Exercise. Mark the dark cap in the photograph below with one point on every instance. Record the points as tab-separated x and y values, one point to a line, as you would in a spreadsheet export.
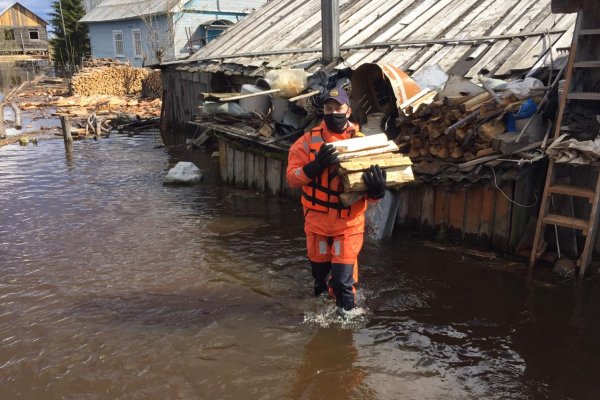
337	94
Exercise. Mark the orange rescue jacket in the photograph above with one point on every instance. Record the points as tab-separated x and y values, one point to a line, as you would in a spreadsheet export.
323	193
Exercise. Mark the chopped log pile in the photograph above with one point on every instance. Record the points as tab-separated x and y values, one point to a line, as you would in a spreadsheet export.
358	154
116	80
454	128
152	85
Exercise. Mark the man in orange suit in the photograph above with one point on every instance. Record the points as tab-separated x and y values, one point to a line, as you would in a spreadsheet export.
334	233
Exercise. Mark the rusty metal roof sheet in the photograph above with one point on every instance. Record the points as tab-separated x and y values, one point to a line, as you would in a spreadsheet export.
464	37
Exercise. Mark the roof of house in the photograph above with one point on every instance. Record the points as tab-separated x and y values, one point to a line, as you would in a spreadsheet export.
114	10
16	3
465	37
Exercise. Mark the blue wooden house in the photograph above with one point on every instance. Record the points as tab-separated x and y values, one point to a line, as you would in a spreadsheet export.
149	32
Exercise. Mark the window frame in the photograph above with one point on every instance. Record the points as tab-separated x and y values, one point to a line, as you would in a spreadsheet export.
9	34
114	35
135	53
32	31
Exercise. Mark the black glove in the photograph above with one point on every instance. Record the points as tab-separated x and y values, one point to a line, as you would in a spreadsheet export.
375	178
326	156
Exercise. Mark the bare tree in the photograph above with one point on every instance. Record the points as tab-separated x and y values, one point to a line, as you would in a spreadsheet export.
160	19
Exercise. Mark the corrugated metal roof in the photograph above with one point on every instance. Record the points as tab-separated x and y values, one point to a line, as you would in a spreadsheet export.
112	10
500	38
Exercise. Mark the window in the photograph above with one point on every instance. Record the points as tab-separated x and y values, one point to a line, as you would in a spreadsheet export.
34	35
9	34
137	43
118	42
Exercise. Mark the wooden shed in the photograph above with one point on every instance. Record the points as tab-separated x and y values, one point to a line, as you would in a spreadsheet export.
491	210
23	32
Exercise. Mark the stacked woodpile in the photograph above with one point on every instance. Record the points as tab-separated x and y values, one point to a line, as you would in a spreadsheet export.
116	80
454	128
101	62
152	85
358	154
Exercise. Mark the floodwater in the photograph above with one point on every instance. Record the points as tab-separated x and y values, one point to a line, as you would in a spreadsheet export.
113	286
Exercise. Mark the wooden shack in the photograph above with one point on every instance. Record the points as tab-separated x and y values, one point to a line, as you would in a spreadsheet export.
22	31
490	210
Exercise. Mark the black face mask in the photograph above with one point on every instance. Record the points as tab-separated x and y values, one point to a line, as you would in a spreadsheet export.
336	122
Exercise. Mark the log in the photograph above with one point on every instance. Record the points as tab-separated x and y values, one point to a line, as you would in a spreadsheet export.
474	102
489	130
2	129
387	160
66	129
452	101
462	122
18	117
396	176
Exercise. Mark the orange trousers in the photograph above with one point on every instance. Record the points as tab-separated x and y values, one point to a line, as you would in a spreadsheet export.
334	265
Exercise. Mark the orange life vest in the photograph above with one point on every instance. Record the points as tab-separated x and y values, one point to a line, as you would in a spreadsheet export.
323	192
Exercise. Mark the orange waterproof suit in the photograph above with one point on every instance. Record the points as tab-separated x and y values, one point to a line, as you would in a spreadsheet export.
334	233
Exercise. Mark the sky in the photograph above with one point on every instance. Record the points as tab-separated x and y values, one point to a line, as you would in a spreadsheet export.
40	7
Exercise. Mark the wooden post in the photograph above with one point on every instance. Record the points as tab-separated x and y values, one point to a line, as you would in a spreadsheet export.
18	118
66	128
2	130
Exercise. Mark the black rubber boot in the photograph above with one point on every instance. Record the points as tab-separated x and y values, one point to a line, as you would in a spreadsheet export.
320	272
342	283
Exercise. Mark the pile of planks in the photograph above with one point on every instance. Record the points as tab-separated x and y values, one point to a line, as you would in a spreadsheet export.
152	85
454	128
358	154
116	80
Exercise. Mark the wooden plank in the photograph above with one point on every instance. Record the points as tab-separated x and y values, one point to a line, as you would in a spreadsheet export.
502	217
487	217
523	195
273	176
223	159
414	209
259	172
583	96
361	143
440	217
567	222
230	164
239	168
403	207
391	146
249	177
456	212
472	220
427	209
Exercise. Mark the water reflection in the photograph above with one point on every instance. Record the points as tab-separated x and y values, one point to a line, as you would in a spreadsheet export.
328	368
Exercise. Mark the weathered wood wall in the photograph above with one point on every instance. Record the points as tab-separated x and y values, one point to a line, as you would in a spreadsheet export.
181	97
476	214
253	170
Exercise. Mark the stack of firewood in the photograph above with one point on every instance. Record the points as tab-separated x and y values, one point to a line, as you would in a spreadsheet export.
101	62
152	85
458	127
116	80
358	154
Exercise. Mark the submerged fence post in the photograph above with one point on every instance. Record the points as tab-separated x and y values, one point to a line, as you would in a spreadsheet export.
18	117
66	129
2	129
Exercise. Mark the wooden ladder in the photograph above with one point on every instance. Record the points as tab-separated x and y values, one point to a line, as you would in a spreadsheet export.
586	226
